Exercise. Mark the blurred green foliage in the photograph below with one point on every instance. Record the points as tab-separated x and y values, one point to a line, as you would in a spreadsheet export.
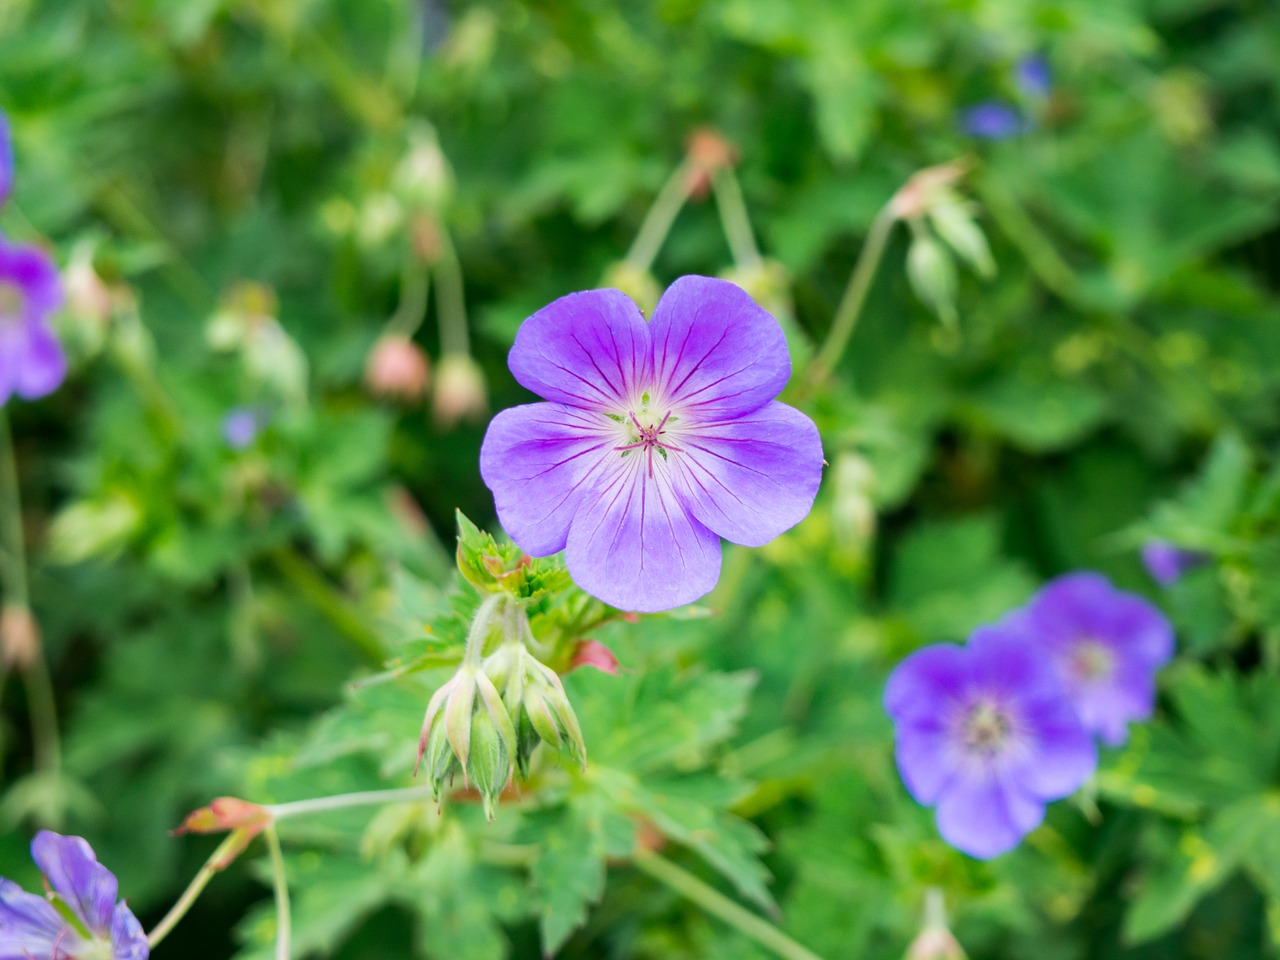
240	165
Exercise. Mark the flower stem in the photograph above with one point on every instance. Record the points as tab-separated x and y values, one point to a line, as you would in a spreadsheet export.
855	295
657	222
415	284
718	905
450	300
341	801
734	219
284	923
213	865
41	703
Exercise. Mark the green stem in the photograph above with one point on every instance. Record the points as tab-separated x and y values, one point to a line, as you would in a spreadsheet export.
213	865
341	801
450	301
734	218
855	295
718	905
325	598
284	923
489	610
657	222
41	703
415	283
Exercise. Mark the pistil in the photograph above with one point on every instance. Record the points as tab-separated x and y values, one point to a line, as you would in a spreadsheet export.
649	438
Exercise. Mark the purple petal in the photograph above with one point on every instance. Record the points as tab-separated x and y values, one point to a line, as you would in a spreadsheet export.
43	365
1007	667
750	478
74	873
1061	754
925	755
716	354
587	350
632	545
128	942
6	159
541	460
927	682
1167	563
35	274
29	925
986	818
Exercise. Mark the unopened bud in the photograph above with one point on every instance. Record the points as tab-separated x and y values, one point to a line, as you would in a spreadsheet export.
88	301
956	225
19	636
92	528
708	152
489	766
226	813
932	274
925	188
637	284
853	513
423	178
460	392
397	368
935	941
593	653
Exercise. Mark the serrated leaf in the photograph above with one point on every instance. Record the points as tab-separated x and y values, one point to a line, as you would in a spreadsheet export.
569	874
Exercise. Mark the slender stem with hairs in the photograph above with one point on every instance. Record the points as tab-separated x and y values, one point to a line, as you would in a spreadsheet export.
734	219
657	222
218	861
280	884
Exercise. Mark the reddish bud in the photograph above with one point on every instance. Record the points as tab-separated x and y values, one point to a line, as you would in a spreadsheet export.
592	653
19	636
708	152
397	368
226	813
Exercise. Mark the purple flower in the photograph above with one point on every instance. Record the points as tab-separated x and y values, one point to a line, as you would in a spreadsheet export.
1033	76
1167	563
992	120
32	363
1106	645
79	920
240	427
985	734
657	440
6	159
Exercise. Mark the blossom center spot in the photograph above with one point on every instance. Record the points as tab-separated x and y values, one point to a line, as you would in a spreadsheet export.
985	728
647	434
1091	660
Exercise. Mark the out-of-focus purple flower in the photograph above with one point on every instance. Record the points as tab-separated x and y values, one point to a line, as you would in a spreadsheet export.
985	733
32	363
992	120
79	920
240	427
1106	645
657	440
6	159
1033	76
1167	563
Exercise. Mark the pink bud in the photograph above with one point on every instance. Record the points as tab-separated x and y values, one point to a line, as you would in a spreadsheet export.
592	653
460	391
19	636
397	368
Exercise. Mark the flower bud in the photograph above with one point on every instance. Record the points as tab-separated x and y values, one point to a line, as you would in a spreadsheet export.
637	284
460	392
708	152
90	528
19	636
397	368
489	764
853	513
88	302
932	274
924	188
593	653
423	178
956	225
935	943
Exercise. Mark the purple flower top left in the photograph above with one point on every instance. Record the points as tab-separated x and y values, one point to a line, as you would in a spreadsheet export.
79	920
657	439
32	363
6	159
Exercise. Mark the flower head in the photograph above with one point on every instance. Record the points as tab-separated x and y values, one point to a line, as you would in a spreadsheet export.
992	120
1167	563
6	159
79	920
240	427
397	367
32	363
1105	644
1033	76
656	440
985	734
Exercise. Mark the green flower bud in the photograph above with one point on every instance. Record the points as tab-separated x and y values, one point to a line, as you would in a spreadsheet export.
489	765
956	225
932	274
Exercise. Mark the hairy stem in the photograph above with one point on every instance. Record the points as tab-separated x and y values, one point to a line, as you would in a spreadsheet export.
718	905
415	284
217	861
657	222
855	295
450	300
341	801
734	219
280	884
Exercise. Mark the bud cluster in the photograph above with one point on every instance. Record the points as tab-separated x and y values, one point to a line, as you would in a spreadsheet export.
486	721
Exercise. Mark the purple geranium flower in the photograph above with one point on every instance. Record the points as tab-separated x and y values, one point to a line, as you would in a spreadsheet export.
992	120
1033	76
79	920
1107	646
657	440
985	733
6	159
32	363
240	427
1167	563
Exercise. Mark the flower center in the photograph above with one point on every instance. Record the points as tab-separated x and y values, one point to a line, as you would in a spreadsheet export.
11	302
985	728
646	434
1090	660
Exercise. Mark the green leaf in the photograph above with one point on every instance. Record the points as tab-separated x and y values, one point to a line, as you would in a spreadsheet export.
569	874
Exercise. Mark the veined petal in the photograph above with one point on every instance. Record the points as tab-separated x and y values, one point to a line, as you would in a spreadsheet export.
587	349
633	545
42	366
1062	755
985	818
753	477
924	754
927	683
29	925
541	460
716	353
128	941
75	875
